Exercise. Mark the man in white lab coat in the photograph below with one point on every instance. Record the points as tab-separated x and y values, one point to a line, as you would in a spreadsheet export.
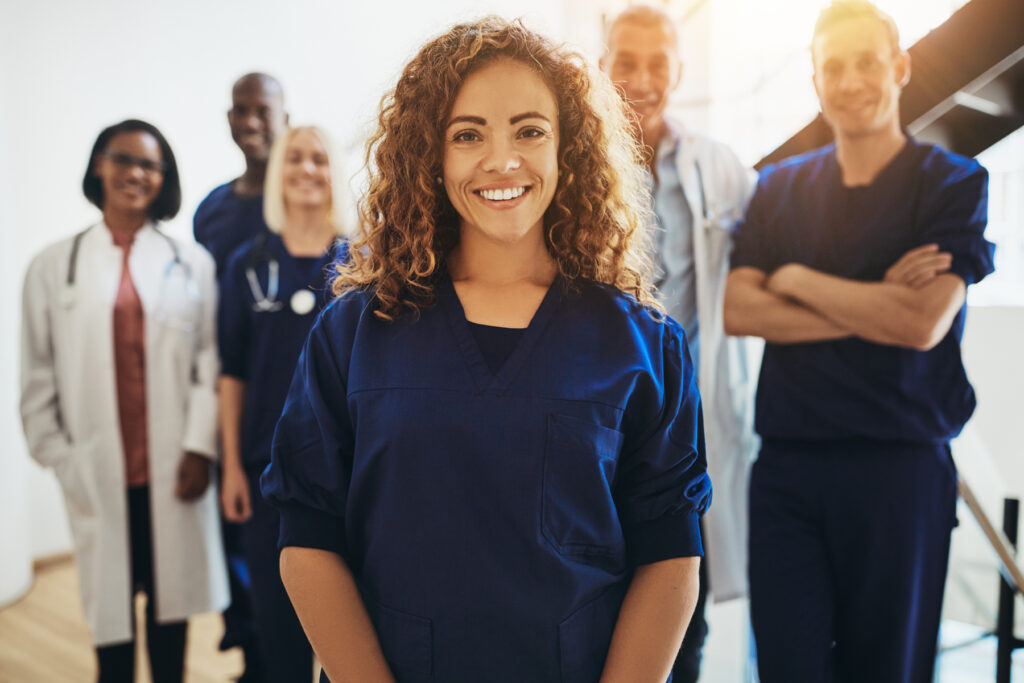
699	191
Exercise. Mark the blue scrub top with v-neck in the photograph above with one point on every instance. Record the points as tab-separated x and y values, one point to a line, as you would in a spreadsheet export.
852	388
261	347
493	520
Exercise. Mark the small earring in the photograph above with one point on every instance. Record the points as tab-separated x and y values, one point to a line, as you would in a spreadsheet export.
439	180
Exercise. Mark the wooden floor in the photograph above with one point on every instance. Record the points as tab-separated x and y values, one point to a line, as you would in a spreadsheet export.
43	637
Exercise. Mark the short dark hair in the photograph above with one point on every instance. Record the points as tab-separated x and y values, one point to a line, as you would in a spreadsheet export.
841	10
168	202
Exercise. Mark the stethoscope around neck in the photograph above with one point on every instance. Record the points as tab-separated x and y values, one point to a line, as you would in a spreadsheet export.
302	301
69	296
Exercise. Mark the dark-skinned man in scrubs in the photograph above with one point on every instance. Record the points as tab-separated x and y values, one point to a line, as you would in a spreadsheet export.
852	263
231	214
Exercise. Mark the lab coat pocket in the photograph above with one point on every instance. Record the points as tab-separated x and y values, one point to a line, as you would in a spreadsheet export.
584	637
178	305
407	642
76	490
717	237
579	515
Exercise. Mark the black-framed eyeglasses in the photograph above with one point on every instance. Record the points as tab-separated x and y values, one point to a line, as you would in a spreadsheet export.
126	161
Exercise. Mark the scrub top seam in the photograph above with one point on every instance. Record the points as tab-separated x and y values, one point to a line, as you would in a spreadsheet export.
620	409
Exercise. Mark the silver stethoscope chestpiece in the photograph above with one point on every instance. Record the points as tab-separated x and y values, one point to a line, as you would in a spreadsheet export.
303	301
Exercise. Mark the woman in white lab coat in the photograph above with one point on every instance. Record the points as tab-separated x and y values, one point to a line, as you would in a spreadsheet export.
117	396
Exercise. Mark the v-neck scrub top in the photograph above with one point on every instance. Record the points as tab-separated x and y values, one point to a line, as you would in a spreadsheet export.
261	347
851	388
493	520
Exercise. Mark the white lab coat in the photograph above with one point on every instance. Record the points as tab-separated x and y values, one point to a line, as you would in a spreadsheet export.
70	416
725	379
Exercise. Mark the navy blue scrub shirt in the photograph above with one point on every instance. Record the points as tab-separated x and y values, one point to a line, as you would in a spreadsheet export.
224	220
493	520
261	348
852	388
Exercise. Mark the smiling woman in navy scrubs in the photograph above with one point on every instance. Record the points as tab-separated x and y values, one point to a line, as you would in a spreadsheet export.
490	464
271	291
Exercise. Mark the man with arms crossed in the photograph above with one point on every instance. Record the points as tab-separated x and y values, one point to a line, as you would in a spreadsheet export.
852	263
699	189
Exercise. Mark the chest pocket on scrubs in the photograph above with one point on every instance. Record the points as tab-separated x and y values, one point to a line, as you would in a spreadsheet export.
579	515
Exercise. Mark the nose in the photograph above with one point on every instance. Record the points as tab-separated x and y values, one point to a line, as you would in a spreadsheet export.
642	79
253	121
501	156
135	171
849	79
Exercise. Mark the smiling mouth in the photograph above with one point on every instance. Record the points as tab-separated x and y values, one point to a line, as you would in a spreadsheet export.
503	195
132	189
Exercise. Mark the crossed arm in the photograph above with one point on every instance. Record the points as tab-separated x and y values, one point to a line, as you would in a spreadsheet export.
912	306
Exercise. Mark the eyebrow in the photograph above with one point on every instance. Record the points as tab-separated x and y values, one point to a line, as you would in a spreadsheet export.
528	115
480	121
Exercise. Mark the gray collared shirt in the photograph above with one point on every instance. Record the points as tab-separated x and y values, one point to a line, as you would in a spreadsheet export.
673	240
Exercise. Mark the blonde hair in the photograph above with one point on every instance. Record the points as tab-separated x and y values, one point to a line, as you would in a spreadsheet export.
597	225
842	10
274	210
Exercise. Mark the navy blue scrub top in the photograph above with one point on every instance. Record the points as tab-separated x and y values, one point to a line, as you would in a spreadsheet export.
261	347
224	220
852	388
493	519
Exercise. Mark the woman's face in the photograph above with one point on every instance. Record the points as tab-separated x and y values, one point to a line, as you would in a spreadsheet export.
131	170
501	151
306	174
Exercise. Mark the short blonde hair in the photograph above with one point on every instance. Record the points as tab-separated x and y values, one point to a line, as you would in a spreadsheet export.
274	211
842	10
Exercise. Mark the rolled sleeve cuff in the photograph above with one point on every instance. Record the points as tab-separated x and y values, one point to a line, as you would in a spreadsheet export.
307	527
665	538
964	267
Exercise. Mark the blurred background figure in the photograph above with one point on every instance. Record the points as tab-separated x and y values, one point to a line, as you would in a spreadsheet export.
117	396
853	262
699	191
274	285
231	214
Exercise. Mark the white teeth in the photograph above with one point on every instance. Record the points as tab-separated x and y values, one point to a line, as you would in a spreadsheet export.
502	195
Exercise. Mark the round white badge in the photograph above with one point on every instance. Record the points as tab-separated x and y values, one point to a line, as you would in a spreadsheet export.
303	301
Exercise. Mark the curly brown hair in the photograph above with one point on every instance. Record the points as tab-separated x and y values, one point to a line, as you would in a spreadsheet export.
596	226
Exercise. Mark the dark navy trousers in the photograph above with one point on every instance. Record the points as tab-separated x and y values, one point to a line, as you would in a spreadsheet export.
285	654
849	546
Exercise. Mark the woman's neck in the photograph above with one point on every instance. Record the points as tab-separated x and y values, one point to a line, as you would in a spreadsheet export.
124	222
307	232
481	260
